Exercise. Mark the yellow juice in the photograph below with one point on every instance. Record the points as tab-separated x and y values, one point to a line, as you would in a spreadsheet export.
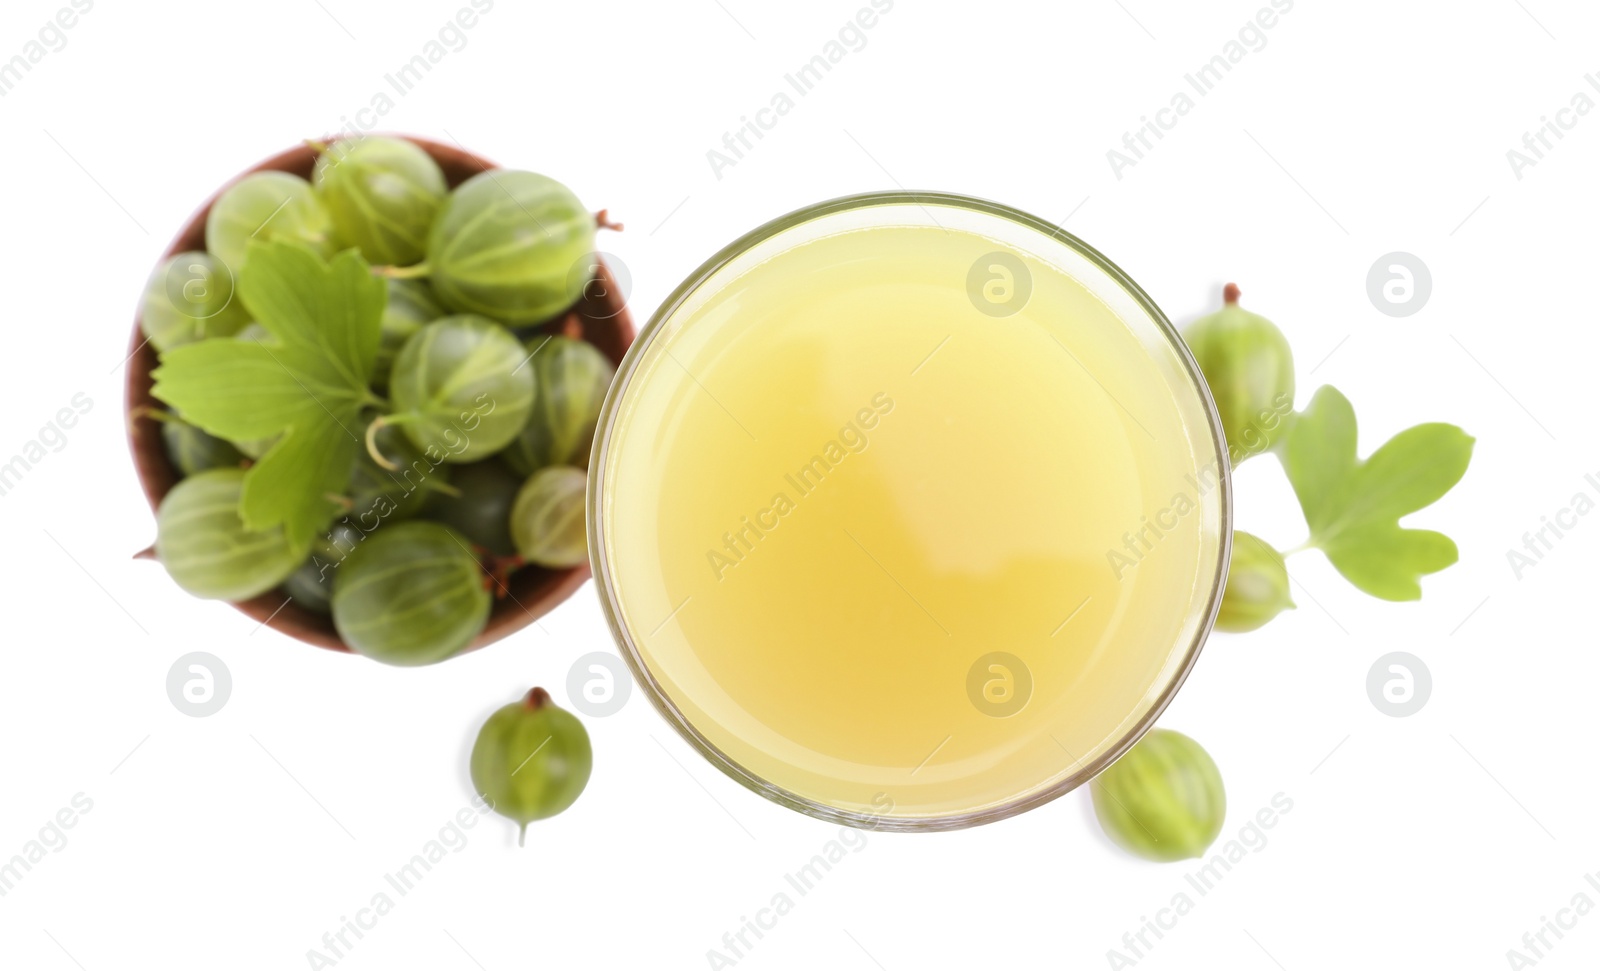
891	556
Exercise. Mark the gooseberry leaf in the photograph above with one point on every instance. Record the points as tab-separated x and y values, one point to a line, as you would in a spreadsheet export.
307	384
1353	507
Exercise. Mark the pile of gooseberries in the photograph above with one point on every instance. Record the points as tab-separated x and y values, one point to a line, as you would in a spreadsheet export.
476	467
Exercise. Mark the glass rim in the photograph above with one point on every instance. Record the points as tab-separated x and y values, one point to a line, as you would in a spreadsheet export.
605	580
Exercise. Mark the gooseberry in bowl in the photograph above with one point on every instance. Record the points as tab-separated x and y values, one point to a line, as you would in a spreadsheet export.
382	195
461	389
266	205
188	298
410	594
506	244
547	520
207	548
598	315
571	380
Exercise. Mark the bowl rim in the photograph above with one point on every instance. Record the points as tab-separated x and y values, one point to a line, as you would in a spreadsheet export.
153	467
605	578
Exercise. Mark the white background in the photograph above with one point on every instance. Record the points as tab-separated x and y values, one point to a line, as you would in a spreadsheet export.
1363	127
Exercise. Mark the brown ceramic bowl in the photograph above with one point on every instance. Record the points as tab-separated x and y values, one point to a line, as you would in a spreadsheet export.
600	317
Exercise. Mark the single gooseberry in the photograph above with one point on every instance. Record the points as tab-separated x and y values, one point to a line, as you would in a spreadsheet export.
1258	585
266	205
572	378
531	760
204	544
190	298
461	388
1248	366
547	520
511	245
411	593
382	195
1163	800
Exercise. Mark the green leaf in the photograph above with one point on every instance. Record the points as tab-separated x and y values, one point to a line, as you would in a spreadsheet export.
1386	561
1353	508
1321	452
309	383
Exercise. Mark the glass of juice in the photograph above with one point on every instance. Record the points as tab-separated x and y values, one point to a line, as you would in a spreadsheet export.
909	511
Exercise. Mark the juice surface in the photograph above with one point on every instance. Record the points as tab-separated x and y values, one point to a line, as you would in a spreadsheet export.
896	555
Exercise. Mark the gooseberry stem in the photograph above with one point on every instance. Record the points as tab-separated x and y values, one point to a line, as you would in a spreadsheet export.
328	548
1230	294
571	327
414	272
497	571
372	444
522	836
441	487
1307	545
154	414
345	503
602	221
316	146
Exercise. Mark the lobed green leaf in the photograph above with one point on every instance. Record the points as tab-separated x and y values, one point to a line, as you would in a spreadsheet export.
1353	508
1386	561
1320	455
309	383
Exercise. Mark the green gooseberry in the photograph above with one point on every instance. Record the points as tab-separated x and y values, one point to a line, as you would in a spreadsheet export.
1163	800
266	205
547	520
411	305
204	544
572	379
461	388
194	451
1258	585
411	593
399	486
511	245
190	298
1248	366
480	508
531	760
382	195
